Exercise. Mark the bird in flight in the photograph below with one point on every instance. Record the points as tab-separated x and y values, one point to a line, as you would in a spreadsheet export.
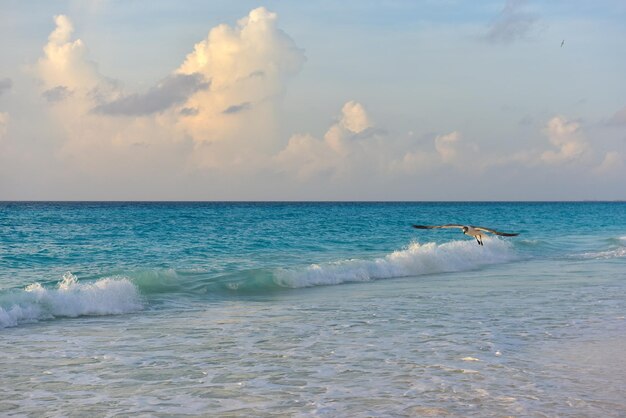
562	43
473	231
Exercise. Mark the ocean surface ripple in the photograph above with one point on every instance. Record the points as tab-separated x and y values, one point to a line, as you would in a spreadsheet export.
312	309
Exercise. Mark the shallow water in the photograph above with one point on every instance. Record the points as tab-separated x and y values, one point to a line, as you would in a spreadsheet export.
312	310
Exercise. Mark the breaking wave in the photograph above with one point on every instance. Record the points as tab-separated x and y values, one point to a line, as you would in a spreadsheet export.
109	296
120	295
415	260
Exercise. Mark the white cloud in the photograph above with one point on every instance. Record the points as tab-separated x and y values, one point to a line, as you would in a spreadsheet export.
348	145
248	66
568	139
224	98
216	119
64	62
96	145
354	120
254	49
354	117
353	148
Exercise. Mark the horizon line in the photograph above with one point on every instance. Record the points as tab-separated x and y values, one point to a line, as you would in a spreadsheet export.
320	201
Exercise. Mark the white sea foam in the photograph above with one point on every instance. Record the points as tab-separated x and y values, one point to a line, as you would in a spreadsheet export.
415	260
606	255
110	296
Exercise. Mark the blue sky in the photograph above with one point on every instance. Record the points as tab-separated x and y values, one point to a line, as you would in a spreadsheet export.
356	100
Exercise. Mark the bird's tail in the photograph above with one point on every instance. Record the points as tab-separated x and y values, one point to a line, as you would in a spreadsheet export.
507	234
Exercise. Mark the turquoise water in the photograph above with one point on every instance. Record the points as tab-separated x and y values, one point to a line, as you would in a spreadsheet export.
312	309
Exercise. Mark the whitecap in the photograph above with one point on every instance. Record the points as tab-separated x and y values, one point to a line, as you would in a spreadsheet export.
415	260
108	296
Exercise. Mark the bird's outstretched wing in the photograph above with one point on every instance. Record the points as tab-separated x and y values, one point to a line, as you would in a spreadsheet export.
438	226
493	231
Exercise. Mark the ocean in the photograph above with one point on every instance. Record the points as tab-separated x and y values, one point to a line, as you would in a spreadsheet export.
312	309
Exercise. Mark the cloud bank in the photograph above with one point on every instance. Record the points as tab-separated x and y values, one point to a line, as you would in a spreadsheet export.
223	98
214	125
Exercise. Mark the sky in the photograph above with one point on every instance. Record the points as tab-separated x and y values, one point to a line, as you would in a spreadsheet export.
323	100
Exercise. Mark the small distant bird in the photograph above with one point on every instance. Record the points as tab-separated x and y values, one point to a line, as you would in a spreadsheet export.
472	231
562	43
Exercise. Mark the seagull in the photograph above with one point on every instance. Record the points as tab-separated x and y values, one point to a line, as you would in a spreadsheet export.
473	231
562	43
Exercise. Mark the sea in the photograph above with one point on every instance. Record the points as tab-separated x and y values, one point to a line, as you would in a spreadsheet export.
300	309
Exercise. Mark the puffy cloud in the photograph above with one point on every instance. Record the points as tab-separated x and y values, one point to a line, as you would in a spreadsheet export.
568	139
248	65
348	142
64	62
5	85
353	147
353	150
70	81
354	121
354	117
219	109
94	144
512	23
173	90
256	48
216	117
